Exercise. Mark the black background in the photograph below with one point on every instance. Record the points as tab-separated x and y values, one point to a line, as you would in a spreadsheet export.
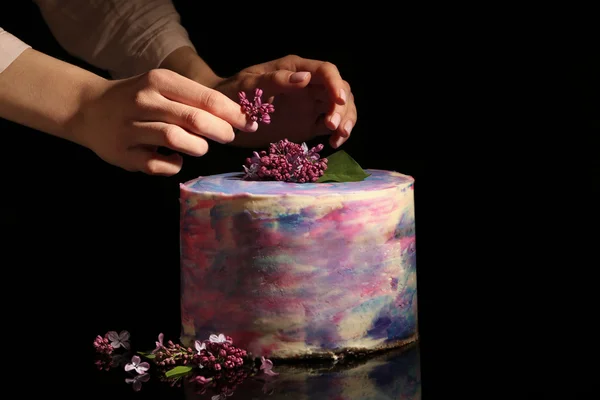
90	248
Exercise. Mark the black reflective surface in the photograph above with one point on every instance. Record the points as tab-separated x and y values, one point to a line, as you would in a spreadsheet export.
393	375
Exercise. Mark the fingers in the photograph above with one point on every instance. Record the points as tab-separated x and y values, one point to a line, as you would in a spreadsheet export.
180	89
150	162
170	136
277	82
342	118
338	121
337	118
322	72
338	89
197	121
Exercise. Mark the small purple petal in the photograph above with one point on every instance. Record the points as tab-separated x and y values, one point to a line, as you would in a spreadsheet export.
137	385
112	336
271	373
135	360
123	336
143	367
129	367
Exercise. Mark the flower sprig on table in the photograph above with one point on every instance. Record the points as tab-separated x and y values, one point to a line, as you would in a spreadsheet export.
213	363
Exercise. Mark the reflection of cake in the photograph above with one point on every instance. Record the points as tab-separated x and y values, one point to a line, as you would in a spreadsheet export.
299	270
393	375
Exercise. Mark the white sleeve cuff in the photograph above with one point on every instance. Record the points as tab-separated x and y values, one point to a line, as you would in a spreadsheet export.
11	47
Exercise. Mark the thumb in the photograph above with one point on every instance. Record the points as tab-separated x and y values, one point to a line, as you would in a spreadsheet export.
278	82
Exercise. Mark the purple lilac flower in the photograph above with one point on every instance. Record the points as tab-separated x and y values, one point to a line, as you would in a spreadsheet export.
256	110
219	338
102	345
137	365
159	343
288	162
118	339
199	346
267	366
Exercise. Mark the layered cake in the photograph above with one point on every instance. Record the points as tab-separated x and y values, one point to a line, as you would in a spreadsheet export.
294	270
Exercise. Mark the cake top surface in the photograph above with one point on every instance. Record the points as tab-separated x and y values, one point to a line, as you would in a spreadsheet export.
232	183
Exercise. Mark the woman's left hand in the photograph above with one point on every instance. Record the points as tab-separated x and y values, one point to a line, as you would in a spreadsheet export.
310	99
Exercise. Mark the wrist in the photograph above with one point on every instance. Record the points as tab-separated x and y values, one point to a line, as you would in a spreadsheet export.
90	91
186	62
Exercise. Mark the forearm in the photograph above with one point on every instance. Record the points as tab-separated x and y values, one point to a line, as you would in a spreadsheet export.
124	37
45	93
185	61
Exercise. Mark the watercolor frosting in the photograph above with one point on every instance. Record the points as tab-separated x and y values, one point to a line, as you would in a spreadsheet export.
299	270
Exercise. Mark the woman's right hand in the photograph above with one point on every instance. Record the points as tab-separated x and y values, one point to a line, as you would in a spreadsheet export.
125	121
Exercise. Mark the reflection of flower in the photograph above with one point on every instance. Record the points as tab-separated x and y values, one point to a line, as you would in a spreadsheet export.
118	339
222	396
137	381
268	387
200	379
267	366
135	364
118	360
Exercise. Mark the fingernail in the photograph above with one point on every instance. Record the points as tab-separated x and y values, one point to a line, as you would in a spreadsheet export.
251	126
298	77
337	142
335	120
347	128
343	95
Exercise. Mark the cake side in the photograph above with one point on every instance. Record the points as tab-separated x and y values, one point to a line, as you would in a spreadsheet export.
311	271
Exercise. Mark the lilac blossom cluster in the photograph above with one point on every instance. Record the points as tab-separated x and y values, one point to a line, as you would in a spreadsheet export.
110	341
256	110
102	345
286	161
216	357
216	353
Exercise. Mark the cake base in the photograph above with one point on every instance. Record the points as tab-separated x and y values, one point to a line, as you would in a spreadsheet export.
390	374
346	353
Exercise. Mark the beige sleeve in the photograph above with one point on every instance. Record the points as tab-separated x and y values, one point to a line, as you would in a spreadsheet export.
11	47
124	37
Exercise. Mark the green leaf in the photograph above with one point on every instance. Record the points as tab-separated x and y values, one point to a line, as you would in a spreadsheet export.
178	371
149	356
342	168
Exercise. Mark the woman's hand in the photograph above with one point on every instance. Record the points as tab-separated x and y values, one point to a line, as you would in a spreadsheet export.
125	121
310	99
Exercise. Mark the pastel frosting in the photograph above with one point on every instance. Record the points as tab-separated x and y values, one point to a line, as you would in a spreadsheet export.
299	270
